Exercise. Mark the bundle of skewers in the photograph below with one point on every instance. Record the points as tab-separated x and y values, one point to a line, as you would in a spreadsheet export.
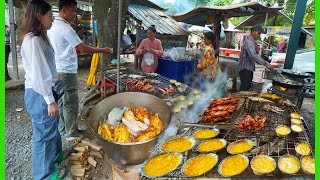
219	110
140	85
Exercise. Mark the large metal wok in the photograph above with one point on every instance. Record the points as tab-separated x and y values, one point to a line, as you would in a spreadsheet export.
128	153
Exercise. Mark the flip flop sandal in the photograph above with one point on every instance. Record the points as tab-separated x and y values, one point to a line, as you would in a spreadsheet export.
56	173
63	155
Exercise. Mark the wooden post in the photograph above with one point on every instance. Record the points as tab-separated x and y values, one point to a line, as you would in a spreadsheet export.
13	40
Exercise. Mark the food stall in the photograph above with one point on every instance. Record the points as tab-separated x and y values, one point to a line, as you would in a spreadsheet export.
260	142
162	128
245	127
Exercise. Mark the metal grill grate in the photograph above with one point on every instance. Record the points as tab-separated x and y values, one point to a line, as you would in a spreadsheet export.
285	145
162	81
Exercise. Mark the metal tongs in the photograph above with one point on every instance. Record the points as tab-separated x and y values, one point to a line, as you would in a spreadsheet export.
215	126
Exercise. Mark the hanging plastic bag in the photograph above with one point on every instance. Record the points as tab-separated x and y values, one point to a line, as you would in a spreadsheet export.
217	69
174	54
149	59
222	35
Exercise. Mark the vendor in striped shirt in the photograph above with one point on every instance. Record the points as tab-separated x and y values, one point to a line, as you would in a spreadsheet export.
249	55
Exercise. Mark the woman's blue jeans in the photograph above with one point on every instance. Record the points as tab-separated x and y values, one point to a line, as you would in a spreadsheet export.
46	137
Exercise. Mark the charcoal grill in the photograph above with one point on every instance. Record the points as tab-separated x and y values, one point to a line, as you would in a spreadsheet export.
266	135
164	82
295	75
306	79
288	89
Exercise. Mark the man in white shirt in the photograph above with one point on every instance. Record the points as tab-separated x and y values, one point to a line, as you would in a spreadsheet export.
65	41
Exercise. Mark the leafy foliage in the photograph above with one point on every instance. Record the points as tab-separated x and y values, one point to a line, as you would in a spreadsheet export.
309	17
219	3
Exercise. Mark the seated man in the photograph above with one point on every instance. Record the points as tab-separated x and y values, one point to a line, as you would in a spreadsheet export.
85	39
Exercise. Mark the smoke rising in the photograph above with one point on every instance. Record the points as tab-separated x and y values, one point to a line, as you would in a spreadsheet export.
211	90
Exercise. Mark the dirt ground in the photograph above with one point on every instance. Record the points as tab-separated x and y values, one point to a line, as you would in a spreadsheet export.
19	133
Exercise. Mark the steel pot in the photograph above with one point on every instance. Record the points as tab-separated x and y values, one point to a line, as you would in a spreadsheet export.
134	153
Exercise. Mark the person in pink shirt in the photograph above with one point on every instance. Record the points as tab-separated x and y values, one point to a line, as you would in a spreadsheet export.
282	46
151	49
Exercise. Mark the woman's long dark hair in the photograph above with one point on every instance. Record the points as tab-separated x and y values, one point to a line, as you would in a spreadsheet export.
31	20
210	36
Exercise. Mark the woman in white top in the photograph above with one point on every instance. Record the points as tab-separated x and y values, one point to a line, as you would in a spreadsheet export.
41	74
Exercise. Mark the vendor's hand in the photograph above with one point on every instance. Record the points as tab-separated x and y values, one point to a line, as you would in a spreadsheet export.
107	50
53	109
152	51
144	51
276	65
269	66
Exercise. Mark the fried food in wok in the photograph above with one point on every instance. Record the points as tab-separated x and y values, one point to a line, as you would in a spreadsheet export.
141	113
137	125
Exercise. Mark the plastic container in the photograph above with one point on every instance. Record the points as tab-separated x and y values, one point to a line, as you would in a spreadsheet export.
110	87
175	69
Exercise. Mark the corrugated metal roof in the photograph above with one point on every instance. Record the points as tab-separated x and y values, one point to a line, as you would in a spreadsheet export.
199	15
148	16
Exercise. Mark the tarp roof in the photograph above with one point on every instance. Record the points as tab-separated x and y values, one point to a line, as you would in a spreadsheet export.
199	15
256	19
147	16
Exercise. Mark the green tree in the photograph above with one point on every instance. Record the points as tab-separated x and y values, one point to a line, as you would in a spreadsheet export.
309	17
219	3
290	7
264	2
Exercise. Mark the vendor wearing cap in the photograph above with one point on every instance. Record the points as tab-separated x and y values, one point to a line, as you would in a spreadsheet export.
249	54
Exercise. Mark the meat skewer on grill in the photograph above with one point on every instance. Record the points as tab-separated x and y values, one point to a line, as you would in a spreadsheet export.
168	91
219	110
